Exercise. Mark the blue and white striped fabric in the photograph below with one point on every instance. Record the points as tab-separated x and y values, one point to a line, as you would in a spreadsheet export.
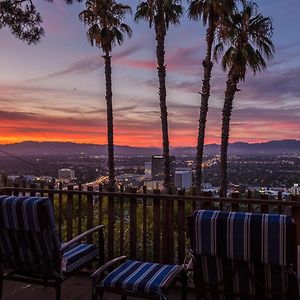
137	276
242	255
226	279
263	238
29	240
77	256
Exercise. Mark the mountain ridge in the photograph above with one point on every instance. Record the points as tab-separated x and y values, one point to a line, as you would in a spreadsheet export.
287	146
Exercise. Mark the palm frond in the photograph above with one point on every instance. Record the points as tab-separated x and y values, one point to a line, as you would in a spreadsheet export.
247	36
105	20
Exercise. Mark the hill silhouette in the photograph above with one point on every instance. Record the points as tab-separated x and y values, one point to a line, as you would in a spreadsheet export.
68	148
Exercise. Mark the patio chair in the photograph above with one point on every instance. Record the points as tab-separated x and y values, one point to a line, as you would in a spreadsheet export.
243	256
138	279
30	248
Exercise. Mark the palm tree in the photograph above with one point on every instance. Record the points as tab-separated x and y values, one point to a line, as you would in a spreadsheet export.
246	35
22	18
161	13
106	29
211	12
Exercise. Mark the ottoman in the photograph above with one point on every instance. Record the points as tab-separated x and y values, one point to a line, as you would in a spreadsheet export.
142	279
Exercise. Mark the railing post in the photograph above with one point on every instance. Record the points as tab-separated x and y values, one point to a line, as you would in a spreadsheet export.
42	186
15	192
101	232
121	221
90	213
70	213
111	224
156	228
32	187
221	204
235	206
4	179
144	224
24	187
249	196
79	229
133	223
50	195
264	208
194	193
60	207
100	207
168	230
181	228
279	199
207	204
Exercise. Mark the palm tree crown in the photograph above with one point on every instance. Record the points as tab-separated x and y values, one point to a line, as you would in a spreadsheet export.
210	9
105	18
247	36
156	12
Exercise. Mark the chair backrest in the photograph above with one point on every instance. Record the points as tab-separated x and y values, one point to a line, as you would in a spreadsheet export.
29	241
242	254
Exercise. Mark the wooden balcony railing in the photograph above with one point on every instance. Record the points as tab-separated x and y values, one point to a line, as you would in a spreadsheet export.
142	225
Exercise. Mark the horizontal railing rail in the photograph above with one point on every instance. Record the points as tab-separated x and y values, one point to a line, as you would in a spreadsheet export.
149	226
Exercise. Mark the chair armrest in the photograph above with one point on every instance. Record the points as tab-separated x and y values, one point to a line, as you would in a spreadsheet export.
112	263
80	237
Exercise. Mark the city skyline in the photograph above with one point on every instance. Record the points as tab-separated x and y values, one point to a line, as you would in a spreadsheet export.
55	91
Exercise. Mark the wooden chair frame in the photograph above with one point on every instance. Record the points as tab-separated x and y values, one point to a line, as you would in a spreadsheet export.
293	291
55	282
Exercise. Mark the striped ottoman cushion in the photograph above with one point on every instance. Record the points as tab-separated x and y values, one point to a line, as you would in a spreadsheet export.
77	256
137	276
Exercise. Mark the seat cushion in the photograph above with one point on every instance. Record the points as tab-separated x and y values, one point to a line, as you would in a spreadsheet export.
78	255
143	277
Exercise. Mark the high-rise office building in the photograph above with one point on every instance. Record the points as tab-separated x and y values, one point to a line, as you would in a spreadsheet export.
147	170
157	167
183	178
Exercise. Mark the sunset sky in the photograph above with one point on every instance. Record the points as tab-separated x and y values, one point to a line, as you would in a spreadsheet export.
54	91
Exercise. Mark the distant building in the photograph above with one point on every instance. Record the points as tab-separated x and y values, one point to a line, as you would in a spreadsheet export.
28	178
154	185
66	174
295	190
157	167
183	178
148	170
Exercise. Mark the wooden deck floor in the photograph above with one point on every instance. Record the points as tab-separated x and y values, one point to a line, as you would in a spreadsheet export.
75	288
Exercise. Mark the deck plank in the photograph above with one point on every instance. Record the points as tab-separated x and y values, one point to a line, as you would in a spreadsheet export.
74	288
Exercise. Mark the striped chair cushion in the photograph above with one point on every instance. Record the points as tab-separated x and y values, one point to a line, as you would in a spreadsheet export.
137	276
220	278
26	213
262	238
77	256
28	237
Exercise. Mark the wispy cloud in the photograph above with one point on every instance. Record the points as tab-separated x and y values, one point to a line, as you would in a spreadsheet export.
87	65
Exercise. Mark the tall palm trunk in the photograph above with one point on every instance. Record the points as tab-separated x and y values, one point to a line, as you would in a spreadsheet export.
160	54
110	129
231	89
205	93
